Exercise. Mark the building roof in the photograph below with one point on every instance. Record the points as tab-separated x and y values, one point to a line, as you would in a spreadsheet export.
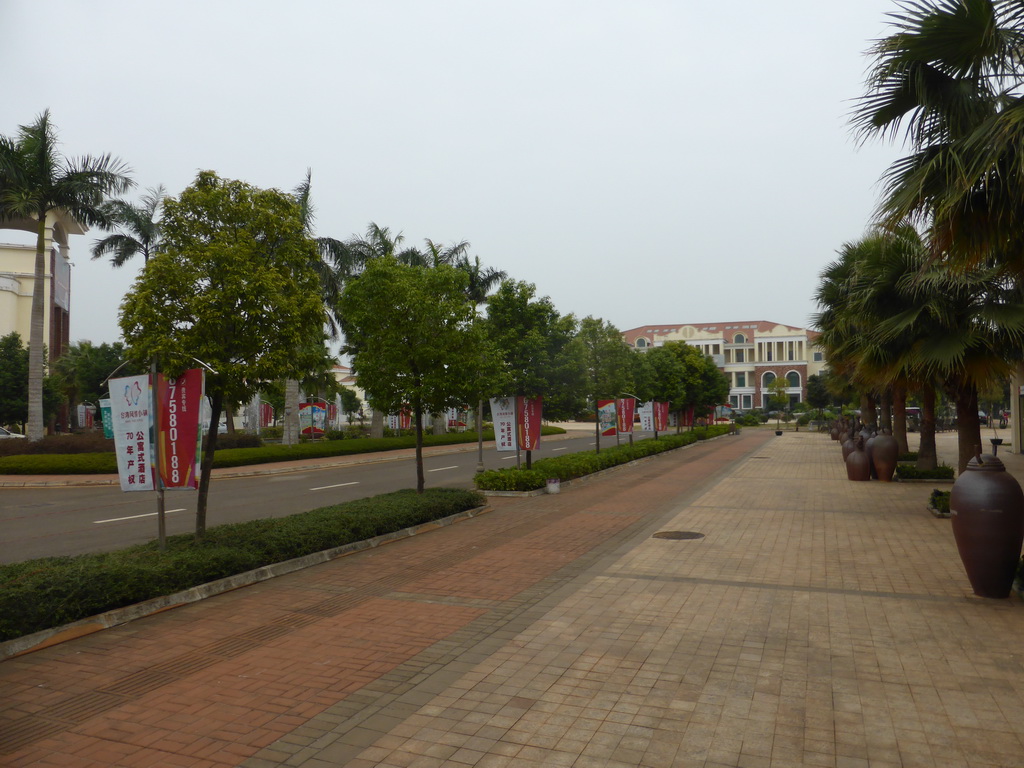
757	326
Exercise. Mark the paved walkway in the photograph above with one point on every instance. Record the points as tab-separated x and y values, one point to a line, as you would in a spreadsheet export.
818	622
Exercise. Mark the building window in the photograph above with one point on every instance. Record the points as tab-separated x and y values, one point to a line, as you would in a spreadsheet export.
767	379
715	349
734	401
789	349
739	356
739	338
819	357
793	378
768	352
641	342
741	379
747	402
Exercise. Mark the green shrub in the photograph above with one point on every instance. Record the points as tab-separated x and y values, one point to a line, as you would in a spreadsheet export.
238	440
750	419
39	594
908	456
939	501
910	472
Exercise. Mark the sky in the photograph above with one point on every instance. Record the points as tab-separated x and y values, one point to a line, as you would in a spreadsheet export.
649	162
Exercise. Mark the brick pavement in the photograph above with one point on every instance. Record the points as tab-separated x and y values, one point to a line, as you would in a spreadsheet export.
817	622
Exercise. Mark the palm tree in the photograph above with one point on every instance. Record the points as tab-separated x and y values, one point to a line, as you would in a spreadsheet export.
139	225
949	79
336	263
37	181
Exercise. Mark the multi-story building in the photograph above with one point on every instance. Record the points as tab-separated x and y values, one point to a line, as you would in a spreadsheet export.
751	354
17	282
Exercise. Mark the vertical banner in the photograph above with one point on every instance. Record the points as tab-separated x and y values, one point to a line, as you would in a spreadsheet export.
688	417
661	422
108	422
266	414
606	417
181	432
400	420
312	419
530	413
503	413
626	412
673	419
646	412
130	416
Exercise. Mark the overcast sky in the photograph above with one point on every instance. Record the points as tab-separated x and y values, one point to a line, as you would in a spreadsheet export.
648	162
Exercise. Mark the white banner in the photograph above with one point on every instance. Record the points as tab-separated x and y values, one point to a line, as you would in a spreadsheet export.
130	413
503	412
646	412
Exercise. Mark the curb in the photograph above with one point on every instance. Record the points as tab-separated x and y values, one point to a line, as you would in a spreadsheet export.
55	635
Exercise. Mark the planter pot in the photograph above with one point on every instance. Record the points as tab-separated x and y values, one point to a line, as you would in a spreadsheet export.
857	465
847	447
885	453
778	433
987	509
554	485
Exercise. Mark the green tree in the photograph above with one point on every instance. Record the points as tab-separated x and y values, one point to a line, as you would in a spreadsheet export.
36	182
949	80
818	395
13	380
702	385
81	372
535	346
607	366
232	287
412	338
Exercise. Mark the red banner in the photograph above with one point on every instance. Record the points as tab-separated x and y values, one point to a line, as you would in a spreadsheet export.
180	403
266	414
529	412
625	412
660	416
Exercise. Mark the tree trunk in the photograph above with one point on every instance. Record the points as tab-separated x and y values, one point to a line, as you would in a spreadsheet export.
899	417
376	424
36	342
867	410
229	418
968	425
216	405
926	456
419	449
290	435
885	409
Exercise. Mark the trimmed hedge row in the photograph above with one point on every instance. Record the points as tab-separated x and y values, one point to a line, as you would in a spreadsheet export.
587	463
106	463
49	592
910	472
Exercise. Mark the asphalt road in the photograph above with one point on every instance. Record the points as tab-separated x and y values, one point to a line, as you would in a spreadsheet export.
57	521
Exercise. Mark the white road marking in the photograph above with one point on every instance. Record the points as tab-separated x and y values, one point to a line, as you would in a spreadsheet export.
134	517
508	458
442	469
559	449
339	485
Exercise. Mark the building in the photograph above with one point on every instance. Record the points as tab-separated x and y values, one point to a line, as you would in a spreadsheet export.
751	354
17	281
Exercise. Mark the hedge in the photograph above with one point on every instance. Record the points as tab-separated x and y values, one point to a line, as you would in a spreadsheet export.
910	472
49	592
576	465
106	463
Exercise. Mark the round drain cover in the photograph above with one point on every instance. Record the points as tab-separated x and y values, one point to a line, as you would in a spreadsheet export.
678	535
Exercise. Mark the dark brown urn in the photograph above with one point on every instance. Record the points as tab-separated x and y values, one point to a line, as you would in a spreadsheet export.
987	511
847	446
885	454
858	467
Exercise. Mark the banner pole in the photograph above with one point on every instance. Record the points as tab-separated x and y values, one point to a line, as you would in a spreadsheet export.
161	523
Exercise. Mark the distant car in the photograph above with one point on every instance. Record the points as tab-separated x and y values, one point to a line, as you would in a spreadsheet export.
4	434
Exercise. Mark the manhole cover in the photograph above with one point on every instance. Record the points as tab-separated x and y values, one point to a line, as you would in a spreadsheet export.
678	535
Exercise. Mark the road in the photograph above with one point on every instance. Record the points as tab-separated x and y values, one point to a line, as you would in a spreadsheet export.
58	521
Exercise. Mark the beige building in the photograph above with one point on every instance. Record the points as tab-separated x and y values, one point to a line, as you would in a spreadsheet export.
752	354
17	281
